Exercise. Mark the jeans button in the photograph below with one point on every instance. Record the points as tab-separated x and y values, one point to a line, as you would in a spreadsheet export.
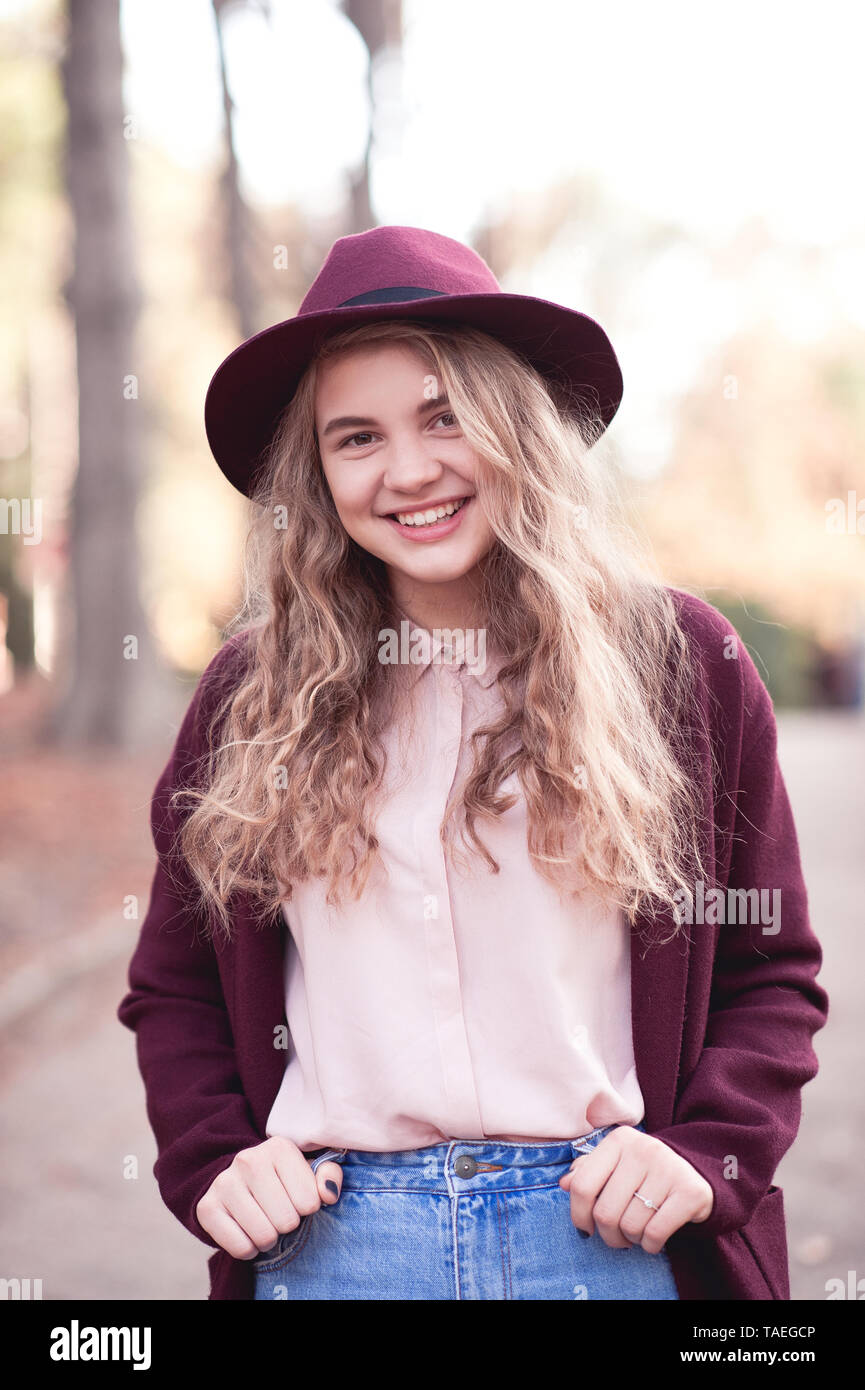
465	1166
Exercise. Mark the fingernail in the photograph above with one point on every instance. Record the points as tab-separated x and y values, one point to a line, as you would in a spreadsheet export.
331	1186
584	1234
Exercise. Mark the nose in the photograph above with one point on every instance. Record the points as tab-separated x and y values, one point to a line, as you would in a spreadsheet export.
411	465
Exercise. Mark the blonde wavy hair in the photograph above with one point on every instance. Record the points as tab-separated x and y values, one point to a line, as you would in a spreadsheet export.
598	685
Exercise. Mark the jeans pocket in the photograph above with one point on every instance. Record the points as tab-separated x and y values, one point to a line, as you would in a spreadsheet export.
284	1247
590	1141
327	1156
587	1142
288	1242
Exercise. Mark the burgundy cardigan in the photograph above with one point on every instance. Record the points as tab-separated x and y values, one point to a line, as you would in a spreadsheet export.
722	1024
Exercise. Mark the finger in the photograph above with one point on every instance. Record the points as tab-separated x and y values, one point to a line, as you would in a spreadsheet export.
589	1172
239	1203
231	1236
615	1198
328	1176
283	1206
294	1172
674	1212
637	1216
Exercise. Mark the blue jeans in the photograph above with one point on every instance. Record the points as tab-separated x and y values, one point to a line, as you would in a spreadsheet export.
420	1224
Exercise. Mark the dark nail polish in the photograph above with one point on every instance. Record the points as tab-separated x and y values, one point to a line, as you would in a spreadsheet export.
584	1234
331	1186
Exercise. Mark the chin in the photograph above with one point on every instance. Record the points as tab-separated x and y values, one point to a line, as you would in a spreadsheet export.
435	573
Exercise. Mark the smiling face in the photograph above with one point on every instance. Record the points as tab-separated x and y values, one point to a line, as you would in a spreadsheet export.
390	445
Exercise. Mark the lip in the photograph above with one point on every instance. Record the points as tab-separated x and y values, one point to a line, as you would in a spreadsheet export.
425	506
437	528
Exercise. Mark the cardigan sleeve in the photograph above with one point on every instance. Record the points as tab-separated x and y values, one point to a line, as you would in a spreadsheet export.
175	1005
739	1110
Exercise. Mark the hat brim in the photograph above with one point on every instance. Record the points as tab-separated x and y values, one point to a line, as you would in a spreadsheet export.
256	381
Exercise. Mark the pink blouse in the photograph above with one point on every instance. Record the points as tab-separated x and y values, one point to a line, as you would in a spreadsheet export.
450	1003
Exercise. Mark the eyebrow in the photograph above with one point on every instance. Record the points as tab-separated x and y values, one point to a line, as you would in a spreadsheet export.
344	422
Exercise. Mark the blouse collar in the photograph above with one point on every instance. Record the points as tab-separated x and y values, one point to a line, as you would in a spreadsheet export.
422	652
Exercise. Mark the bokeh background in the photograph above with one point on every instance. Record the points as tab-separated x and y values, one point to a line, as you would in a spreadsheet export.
173	174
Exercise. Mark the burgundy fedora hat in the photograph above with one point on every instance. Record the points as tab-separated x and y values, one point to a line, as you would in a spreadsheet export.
396	273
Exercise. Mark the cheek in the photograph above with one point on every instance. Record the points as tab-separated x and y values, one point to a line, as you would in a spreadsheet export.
350	495
465	460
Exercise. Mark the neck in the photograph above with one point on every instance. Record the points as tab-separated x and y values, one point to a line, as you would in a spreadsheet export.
431	606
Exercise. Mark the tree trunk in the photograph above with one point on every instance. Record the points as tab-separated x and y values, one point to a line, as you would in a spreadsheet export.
379	23
238	218
116	693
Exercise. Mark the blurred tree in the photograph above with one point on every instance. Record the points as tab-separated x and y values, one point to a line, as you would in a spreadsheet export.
763	443
767	437
31	223
379	23
116	692
17	628
782	652
239	222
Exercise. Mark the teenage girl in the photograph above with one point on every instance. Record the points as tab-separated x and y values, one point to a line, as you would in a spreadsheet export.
468	753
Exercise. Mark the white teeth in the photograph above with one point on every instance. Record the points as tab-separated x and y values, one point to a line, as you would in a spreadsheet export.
427	518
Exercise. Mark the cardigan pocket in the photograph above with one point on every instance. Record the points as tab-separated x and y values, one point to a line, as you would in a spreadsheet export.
765	1235
763	1241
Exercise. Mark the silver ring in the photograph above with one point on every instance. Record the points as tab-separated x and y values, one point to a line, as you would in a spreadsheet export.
646	1202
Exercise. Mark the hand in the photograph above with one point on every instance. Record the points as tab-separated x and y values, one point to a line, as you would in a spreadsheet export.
264	1193
602	1184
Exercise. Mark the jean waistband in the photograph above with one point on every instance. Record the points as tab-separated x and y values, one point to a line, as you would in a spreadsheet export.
457	1165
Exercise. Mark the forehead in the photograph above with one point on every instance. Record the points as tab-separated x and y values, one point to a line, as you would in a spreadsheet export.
370	365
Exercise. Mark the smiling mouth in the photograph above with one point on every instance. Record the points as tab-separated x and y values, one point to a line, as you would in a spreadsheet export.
430	516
